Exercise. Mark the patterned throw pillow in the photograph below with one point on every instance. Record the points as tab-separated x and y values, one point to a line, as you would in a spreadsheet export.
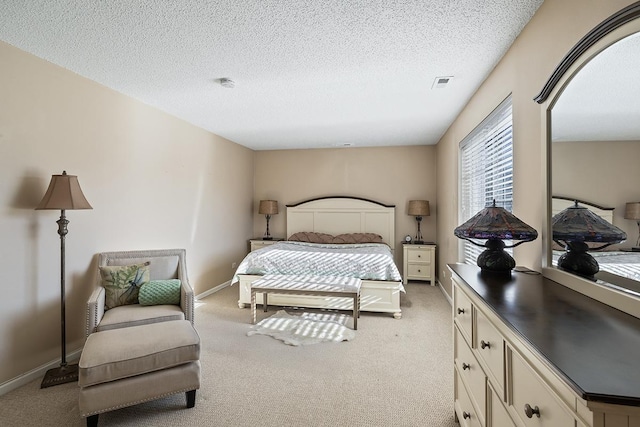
157	292
122	283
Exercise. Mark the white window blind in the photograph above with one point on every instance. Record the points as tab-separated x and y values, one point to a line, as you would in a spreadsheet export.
486	169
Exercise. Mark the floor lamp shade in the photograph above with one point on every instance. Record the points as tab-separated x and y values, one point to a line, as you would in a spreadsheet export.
64	193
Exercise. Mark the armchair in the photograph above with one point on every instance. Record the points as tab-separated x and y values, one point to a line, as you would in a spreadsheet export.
164	264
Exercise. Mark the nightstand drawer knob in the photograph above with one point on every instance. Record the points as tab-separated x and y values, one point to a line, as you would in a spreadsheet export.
466	366
485	344
461	311
530	412
419	256
466	415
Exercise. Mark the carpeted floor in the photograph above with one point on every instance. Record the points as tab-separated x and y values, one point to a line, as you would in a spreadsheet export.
394	372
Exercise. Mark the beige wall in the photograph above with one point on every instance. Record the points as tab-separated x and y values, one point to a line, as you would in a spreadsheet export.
154	181
392	175
605	173
555	28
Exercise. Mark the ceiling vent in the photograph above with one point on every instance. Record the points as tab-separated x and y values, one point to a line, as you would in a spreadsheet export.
441	82
227	82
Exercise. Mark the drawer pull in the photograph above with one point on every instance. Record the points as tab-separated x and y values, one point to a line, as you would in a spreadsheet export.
465	366
466	415
419	271
484	344
419	256
461	311
530	412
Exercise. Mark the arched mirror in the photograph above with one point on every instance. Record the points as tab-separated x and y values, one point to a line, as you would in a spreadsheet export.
592	142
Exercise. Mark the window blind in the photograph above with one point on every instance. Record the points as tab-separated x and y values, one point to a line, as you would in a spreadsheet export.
486	169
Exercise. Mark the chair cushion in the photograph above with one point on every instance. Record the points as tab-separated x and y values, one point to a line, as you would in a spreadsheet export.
122	283
122	353
156	292
126	316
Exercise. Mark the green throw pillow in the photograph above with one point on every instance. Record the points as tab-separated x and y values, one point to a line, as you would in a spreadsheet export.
122	283
158	292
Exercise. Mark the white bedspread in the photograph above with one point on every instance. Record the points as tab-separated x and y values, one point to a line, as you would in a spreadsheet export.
366	261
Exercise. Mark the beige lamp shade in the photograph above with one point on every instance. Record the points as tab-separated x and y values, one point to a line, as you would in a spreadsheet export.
64	193
632	210
419	208
268	207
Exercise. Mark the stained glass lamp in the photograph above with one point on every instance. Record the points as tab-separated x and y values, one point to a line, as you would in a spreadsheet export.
495	224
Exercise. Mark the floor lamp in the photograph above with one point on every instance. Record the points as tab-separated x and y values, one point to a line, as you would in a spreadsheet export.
63	194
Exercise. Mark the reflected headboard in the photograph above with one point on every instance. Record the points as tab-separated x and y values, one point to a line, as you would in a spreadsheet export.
338	215
560	203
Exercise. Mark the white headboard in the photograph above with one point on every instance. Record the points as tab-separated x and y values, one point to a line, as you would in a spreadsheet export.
337	215
561	203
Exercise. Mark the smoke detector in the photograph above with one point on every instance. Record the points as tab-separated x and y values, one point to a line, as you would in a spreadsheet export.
227	82
441	82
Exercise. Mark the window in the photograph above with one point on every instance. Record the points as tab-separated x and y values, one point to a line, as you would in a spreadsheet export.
486	169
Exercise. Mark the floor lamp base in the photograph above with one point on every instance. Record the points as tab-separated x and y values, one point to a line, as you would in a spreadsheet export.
60	375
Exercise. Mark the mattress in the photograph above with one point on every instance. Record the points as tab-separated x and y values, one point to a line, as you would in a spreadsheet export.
366	261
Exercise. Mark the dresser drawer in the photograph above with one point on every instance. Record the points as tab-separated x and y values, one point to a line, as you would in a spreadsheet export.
463	407
462	312
531	400
470	373
419	255
490	347
419	270
497	415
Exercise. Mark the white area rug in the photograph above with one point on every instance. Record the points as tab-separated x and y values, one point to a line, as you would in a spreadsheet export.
308	328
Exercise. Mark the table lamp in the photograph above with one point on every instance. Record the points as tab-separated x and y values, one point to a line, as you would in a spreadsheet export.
419	208
268	208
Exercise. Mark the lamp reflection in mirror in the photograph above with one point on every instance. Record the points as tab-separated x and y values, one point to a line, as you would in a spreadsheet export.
573	229
632	211
495	224
419	208
268	208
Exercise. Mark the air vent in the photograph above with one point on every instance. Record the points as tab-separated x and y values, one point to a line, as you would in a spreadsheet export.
441	82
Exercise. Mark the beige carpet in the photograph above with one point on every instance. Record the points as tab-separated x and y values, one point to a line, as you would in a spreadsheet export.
394	372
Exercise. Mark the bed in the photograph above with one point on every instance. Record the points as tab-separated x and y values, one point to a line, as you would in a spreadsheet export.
611	260
334	218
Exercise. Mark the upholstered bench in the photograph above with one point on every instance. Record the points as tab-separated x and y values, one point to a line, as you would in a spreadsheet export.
127	366
332	286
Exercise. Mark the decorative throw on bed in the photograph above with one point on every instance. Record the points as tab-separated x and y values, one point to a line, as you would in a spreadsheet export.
367	261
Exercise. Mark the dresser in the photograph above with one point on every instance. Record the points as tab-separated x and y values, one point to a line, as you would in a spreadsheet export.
531	352
418	262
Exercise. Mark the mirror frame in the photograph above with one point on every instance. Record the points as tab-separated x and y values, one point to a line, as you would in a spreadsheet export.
618	26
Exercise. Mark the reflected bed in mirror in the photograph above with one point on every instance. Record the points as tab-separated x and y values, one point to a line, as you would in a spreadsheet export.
592	144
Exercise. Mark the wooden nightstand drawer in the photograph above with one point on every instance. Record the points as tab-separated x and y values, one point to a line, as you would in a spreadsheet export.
419	254
259	243
419	271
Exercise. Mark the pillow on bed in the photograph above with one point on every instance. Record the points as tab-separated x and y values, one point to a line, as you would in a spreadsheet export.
358	238
311	237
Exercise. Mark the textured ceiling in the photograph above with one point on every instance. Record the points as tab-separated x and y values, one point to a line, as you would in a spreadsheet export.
601	102
308	73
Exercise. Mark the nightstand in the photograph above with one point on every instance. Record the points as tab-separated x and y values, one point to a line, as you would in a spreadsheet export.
419	262
259	243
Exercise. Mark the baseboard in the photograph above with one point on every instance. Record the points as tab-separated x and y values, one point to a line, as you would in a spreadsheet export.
36	373
446	295
213	290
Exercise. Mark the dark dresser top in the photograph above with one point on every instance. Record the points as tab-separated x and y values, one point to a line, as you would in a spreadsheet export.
594	347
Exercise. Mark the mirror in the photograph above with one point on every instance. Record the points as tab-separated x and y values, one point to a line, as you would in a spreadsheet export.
595	147
592	144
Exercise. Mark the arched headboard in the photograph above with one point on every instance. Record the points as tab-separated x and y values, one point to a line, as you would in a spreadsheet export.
341	214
